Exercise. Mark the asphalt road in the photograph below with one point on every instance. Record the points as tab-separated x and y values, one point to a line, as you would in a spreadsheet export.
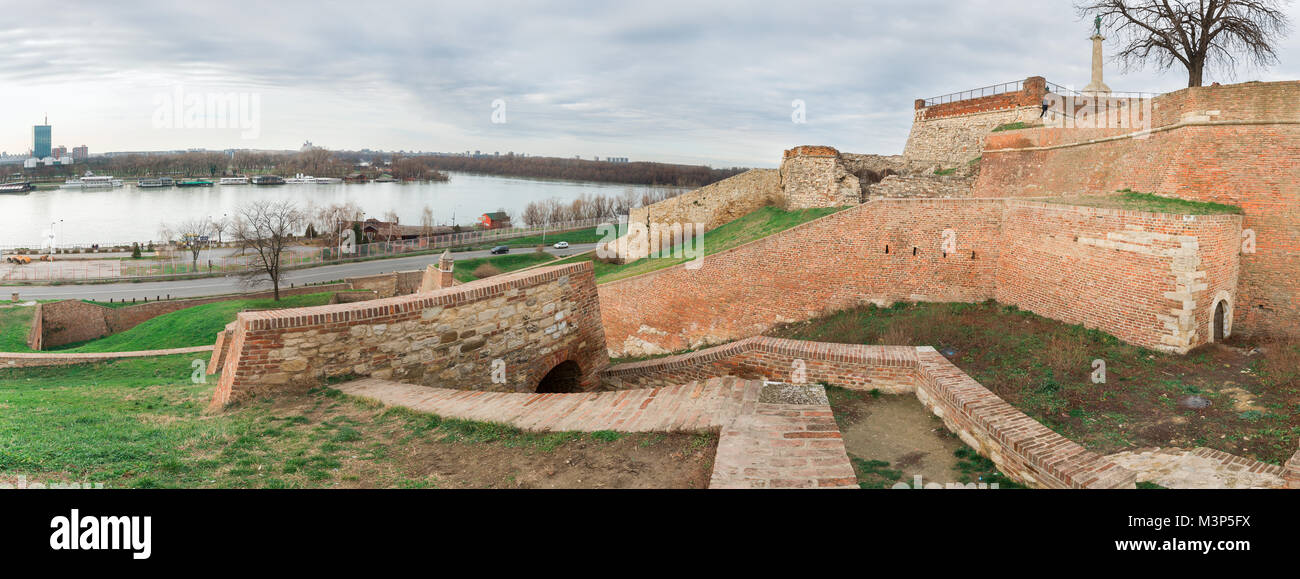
224	285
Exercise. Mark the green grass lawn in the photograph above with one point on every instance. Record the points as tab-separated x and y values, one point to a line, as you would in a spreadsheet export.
751	227
1045	368
196	326
463	271
1134	201
142	423
15	322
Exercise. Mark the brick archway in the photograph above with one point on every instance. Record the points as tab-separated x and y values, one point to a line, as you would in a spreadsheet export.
565	377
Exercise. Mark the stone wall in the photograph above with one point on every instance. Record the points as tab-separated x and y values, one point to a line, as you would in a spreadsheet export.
531	321
1236	144
952	134
1144	277
908	186
713	205
814	176
1021	447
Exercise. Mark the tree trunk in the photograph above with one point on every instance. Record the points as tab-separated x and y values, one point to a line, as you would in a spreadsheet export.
275	286
1195	72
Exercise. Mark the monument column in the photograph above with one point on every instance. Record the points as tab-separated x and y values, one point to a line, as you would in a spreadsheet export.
1097	86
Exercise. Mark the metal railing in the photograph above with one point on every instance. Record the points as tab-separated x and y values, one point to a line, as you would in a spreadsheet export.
991	90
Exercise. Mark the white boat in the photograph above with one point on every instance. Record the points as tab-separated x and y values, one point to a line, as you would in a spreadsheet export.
92	181
300	179
328	180
233	181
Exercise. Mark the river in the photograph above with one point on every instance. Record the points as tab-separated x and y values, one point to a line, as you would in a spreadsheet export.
125	214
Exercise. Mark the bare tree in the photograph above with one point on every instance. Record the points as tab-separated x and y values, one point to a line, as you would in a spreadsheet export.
1192	33
192	235
220	226
267	228
426	221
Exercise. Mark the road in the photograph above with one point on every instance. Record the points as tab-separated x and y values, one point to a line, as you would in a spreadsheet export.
224	285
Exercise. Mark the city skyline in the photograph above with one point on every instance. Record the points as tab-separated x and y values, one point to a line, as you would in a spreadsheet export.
562	80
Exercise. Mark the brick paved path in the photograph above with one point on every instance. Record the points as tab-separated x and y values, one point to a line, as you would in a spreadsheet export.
761	445
1200	468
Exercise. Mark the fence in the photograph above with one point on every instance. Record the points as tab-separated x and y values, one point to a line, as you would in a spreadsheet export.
179	263
976	93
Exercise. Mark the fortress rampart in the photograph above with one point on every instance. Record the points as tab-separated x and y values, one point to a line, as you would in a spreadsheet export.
1144	277
1236	144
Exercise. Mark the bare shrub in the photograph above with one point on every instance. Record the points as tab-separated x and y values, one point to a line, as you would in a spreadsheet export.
486	270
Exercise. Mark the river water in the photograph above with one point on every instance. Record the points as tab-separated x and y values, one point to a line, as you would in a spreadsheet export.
128	213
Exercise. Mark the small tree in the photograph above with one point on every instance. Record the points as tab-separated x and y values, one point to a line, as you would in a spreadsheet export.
266	228
135	250
192	233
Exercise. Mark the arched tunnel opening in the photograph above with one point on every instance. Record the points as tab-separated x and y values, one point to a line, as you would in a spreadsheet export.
564	377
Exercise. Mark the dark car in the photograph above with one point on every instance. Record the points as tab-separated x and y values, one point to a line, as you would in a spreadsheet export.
500	249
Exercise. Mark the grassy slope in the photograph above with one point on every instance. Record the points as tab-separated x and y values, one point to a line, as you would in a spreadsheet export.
140	423
1134	201
751	227
463	270
196	326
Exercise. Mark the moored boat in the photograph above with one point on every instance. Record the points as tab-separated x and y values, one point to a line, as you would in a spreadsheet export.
92	181
268	180
300	179
17	187
153	183
194	183
328	180
233	181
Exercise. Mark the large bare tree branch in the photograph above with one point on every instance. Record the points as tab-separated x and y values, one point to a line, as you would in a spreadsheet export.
1198	34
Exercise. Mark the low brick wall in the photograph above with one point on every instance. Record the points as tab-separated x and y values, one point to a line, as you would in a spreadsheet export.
33	359
1022	448
71	321
531	321
890	369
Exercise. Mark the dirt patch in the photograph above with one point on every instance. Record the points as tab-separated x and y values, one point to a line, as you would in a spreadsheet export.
898	430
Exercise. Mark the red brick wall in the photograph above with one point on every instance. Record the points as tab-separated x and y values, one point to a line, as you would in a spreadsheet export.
1031	94
1118	270
1252	164
531	320
1074	264
67	322
831	263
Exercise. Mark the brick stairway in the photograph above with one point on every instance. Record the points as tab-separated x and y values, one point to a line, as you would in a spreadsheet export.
761	445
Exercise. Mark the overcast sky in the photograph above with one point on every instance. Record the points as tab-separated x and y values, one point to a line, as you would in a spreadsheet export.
698	81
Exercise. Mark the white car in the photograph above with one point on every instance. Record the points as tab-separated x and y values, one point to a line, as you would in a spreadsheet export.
562	245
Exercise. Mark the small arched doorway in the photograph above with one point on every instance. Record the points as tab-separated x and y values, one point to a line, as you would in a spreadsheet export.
1221	317
1219	312
564	377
